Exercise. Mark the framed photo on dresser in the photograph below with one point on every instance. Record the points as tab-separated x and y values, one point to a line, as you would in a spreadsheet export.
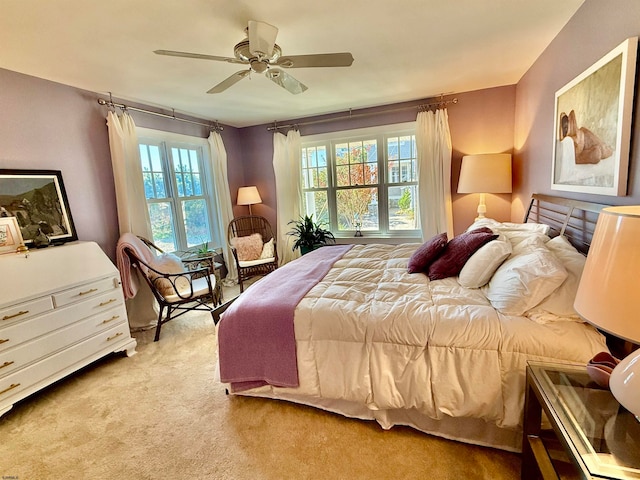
38	201
10	238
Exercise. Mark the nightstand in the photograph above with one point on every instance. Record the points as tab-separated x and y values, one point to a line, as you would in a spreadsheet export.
588	434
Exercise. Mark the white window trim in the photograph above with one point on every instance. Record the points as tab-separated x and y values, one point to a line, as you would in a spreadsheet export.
208	185
347	135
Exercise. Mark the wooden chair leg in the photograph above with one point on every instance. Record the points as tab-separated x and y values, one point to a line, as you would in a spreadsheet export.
240	281
159	326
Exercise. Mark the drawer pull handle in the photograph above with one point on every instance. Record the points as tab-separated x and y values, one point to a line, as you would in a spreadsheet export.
114	336
10	387
111	300
21	312
6	364
3	340
87	292
115	317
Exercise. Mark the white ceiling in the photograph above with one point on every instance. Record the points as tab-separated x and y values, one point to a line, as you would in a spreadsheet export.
403	50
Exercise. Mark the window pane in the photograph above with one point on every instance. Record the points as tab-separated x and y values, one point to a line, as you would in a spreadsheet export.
371	148
161	218
342	175
196	222
316	203
342	154
405	147
392	148
357	205
158	185
402	208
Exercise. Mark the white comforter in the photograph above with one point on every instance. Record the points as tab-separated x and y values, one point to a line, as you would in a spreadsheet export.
372	334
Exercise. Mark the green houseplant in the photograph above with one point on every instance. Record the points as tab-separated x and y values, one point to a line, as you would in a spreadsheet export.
309	235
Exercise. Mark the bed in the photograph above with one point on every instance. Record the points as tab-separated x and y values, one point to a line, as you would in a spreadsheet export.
366	339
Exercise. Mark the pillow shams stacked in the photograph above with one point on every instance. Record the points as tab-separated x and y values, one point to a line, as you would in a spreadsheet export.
524	280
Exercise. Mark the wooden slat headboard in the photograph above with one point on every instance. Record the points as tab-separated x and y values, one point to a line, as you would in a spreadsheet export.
574	219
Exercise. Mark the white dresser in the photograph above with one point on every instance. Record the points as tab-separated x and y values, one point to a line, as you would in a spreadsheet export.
61	308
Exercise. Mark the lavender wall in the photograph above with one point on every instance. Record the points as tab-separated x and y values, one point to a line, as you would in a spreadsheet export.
481	122
49	126
597	28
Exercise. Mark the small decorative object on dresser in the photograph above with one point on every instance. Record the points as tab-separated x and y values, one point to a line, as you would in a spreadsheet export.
62	310
10	238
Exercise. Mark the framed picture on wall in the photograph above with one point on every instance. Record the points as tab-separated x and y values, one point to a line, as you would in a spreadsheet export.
592	133
10	237
38	201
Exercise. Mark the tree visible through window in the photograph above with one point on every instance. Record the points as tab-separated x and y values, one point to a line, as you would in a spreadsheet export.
369	182
180	206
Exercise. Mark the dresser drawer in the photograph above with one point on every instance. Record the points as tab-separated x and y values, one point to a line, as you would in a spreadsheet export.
25	310
20	332
27	380
29	352
85	291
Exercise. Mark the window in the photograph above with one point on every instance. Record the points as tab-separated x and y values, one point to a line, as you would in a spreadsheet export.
178	190
366	179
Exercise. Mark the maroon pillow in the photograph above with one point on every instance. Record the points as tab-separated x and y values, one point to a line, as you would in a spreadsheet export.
427	253
458	251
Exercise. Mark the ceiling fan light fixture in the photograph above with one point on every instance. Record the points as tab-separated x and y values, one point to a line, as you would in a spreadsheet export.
262	38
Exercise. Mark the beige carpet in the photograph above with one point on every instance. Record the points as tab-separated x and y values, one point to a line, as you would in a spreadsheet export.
161	415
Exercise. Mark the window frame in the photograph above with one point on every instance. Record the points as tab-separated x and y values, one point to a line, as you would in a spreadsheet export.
381	134
165	141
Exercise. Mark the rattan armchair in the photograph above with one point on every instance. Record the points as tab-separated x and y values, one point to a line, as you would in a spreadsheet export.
176	292
248	225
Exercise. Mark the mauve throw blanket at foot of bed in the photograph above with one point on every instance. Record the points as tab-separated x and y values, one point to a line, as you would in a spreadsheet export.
256	340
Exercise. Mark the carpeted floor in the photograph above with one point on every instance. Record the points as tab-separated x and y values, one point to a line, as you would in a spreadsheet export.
161	415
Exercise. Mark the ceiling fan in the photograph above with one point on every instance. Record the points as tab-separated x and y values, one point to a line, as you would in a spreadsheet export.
260	52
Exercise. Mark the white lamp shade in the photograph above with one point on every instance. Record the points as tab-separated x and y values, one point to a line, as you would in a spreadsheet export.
248	196
609	291
486	173
608	294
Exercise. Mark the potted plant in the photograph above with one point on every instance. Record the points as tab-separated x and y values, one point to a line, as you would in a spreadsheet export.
309	234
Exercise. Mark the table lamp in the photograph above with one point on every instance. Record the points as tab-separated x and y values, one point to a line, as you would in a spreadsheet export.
609	293
485	173
248	196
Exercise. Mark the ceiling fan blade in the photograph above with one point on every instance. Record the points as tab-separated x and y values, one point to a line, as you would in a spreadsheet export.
232	80
262	38
286	81
344	59
199	56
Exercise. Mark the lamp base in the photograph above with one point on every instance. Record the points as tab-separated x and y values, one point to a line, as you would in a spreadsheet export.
482	208
625	383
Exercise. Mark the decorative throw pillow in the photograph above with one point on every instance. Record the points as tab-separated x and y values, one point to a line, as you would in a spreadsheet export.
482	265
248	247
168	263
268	250
524	280
427	253
458	251
560	302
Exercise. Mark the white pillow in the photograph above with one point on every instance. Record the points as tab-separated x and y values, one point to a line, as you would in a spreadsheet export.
482	265
267	250
515	232
525	280
561	301
168	263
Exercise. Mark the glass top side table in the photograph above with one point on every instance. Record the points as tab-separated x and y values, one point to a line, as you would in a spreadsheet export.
600	437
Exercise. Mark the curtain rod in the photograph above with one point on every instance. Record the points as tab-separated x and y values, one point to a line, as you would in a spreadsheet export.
111	104
422	107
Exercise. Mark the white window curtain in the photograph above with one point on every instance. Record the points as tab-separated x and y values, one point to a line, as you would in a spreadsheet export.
287	170
218	156
433	141
133	215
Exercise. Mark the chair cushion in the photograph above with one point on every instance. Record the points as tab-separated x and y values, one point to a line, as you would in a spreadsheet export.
253	263
200	287
268	250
